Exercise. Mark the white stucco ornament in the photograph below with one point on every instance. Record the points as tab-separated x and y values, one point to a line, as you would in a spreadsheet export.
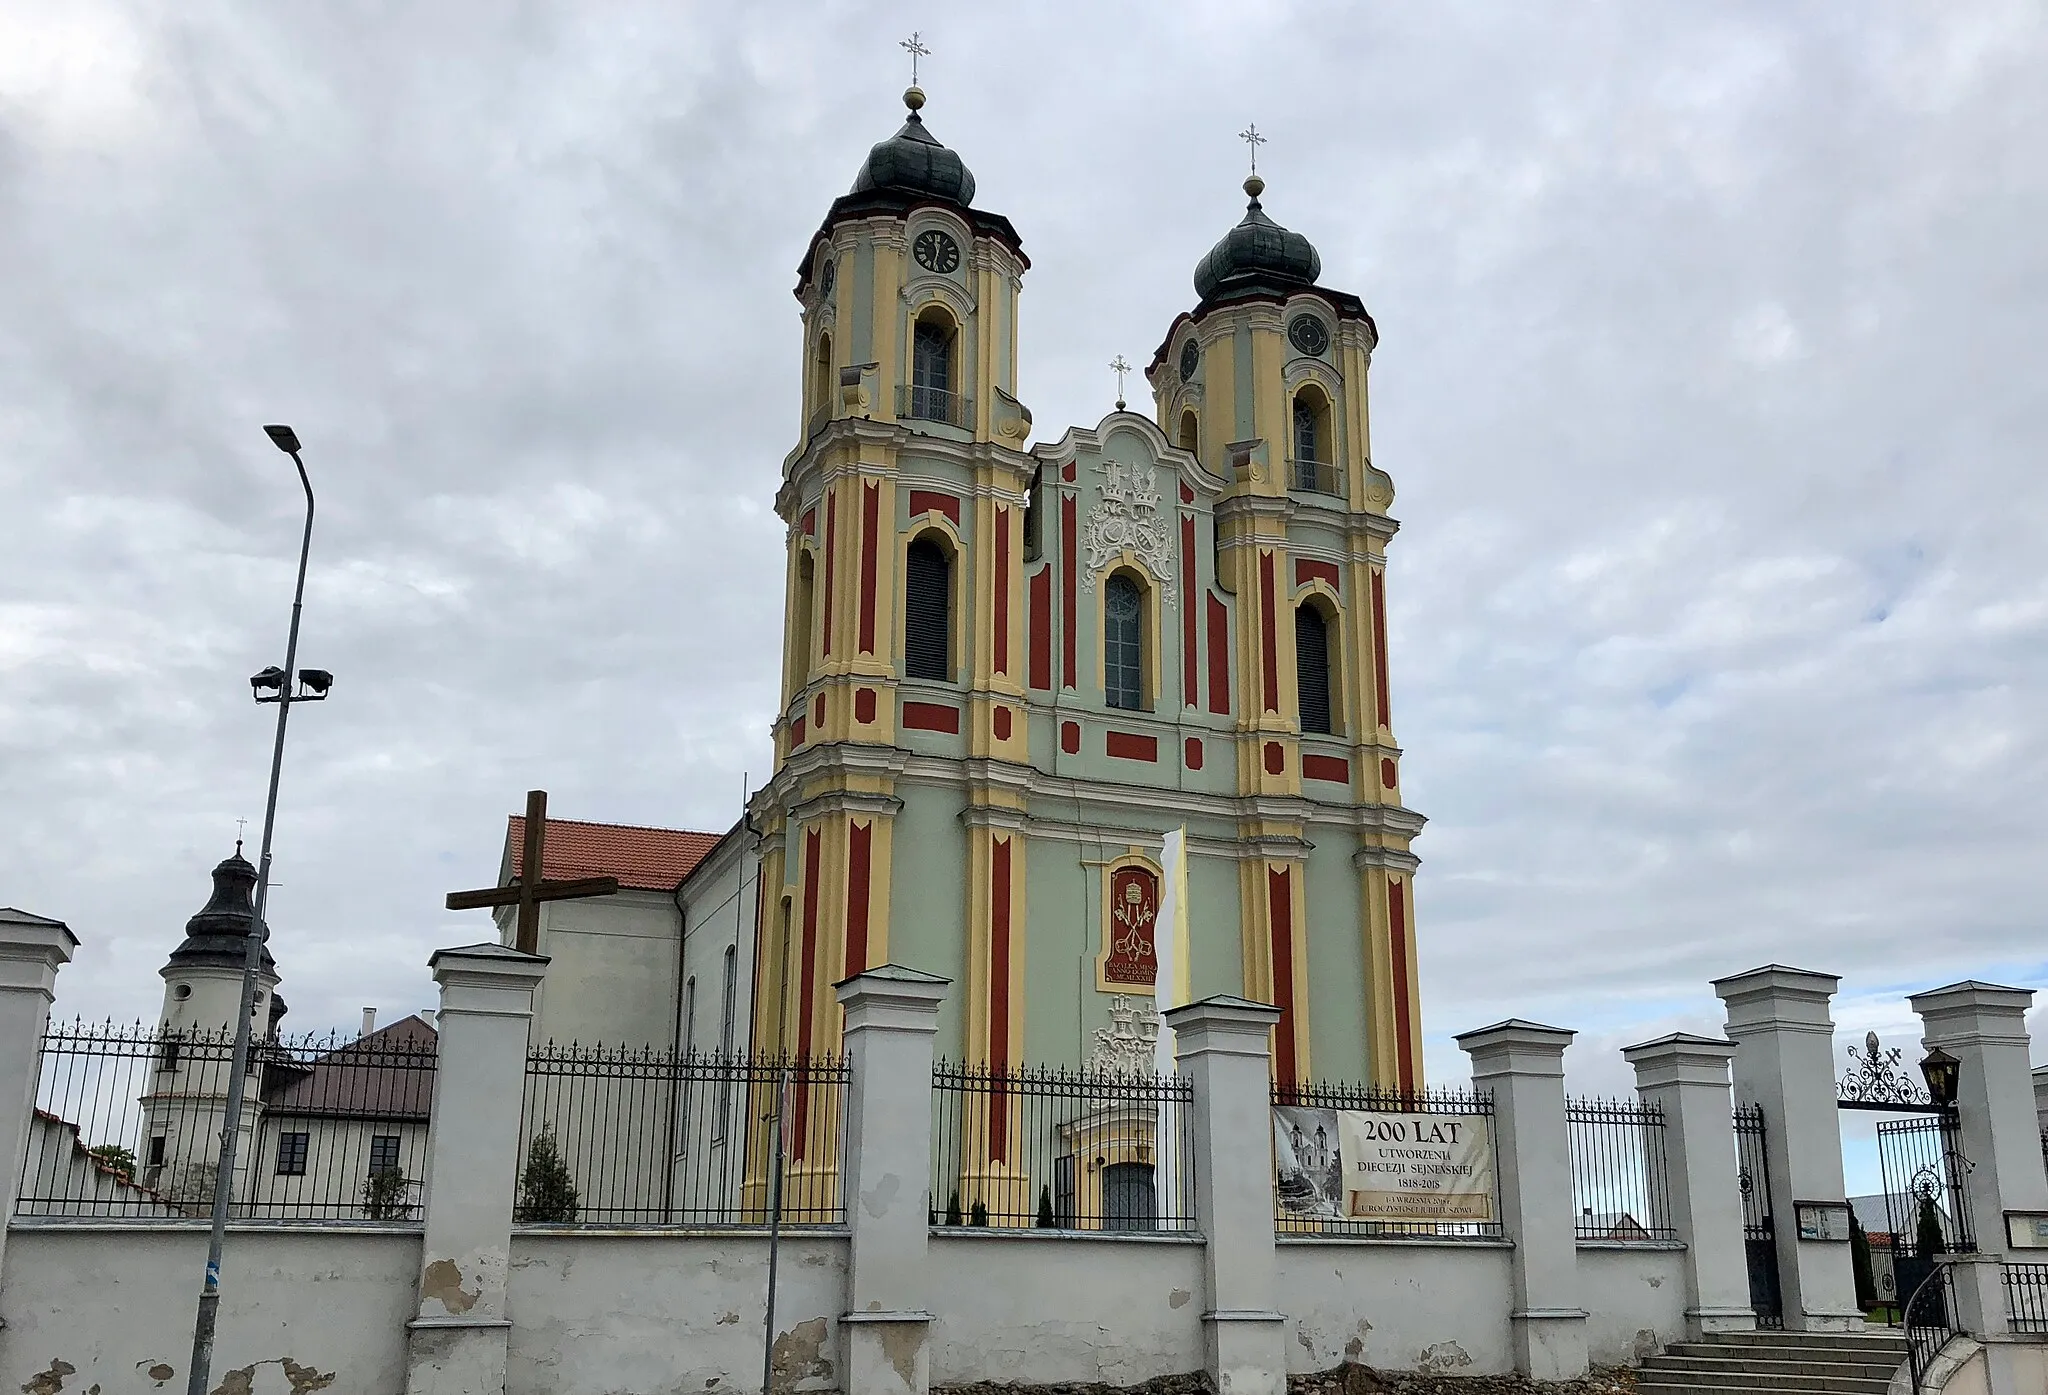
1125	1046
1126	518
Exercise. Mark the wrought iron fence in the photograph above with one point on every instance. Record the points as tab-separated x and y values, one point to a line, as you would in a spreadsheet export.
1311	1197
2026	1296
1759	1220
1929	1320
128	1122
1620	1188
1315	476
918	403
1053	1149
644	1136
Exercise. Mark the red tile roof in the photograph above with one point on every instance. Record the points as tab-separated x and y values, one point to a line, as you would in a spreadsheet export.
643	859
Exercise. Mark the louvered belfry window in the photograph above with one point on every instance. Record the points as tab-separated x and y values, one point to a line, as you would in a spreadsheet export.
1123	646
1312	668
927	612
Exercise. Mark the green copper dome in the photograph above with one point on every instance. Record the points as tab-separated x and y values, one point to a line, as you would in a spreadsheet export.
1257	253
913	162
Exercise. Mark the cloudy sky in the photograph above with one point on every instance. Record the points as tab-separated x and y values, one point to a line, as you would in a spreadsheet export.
1710	382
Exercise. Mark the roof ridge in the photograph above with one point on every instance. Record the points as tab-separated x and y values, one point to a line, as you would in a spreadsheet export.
638	827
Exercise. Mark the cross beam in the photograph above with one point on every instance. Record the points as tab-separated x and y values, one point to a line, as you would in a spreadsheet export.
531	887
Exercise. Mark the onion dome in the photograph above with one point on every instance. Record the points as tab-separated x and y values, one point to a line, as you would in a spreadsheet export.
913	162
217	936
1256	254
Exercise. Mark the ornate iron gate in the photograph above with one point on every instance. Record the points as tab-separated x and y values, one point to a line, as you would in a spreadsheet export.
1759	1230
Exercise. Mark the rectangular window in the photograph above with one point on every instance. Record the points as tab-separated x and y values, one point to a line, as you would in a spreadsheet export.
156	1151
291	1153
728	1000
383	1153
168	1051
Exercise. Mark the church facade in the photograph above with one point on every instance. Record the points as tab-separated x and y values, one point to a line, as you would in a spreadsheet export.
1009	670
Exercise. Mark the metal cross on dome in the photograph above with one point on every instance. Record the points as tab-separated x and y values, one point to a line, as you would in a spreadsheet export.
1250	136
531	886
1120	368
917	50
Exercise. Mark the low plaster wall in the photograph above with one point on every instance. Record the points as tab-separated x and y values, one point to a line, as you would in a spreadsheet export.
600	1312
110	1308
1037	1308
1397	1305
1635	1295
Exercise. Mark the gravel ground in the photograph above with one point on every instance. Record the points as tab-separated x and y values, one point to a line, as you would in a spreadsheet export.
1345	1380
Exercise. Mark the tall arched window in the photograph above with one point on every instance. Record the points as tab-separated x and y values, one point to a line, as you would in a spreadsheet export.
1190	433
927	612
931	368
1312	668
1123	643
800	622
821	381
1313	456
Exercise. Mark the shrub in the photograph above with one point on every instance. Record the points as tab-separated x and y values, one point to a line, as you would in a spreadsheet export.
547	1193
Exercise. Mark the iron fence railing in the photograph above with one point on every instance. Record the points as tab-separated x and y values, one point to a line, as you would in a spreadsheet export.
918	403
2026	1296
1620	1189
646	1136
1759	1221
1929	1321
1054	1149
1310	1195
1315	476
128	1122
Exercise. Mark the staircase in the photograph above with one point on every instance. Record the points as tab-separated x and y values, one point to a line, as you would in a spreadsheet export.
1775	1363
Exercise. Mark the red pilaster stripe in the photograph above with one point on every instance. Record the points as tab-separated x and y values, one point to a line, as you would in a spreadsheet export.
1397	941
1039	617
1269	642
870	544
1379	648
1069	542
998	989
923	501
859	838
1002	660
1306	571
1190	694
1280	912
1219	656
808	966
831	555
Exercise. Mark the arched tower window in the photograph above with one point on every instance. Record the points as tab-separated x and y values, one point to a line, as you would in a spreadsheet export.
1123	643
1034	517
800	622
821	379
932	394
1312	668
1190	434
1313	457
927	612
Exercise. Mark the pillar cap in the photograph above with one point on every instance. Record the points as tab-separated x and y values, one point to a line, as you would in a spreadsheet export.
26	935
893	998
1971	993
1680	1044
487	965
1222	1010
1515	1031
1779	977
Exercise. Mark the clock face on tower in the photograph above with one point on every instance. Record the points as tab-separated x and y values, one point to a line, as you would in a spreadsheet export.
935	251
1308	335
1190	355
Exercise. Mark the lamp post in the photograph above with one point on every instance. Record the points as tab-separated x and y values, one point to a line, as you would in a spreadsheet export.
271	685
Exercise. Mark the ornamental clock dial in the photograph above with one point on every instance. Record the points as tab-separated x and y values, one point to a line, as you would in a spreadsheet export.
1190	355
935	251
1307	334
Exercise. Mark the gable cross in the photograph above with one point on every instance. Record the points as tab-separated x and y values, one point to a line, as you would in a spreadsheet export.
531	886
917	50
1119	367
1250	136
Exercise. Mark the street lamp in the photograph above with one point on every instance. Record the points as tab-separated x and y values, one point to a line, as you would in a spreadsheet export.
273	684
1942	1072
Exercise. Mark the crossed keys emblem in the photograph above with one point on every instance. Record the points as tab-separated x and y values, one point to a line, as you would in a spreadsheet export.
1135	916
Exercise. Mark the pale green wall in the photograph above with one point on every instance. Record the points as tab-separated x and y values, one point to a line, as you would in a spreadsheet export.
1336	960
928	899
1216	945
1059	968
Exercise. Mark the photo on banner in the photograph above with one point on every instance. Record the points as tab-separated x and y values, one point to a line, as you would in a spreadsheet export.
1376	1165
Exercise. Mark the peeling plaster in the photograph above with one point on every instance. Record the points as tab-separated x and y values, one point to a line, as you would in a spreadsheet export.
727	1319
798	1355
1646	1343
1441	1357
901	1345
1178	1298
442	1282
157	1371
51	1381
877	1199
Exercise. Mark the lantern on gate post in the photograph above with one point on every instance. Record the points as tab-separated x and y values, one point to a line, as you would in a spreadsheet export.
1941	1072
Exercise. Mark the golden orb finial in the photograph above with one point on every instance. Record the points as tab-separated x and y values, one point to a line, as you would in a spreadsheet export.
913	97
1254	186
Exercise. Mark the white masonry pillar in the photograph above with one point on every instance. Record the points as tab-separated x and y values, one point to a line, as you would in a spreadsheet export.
1222	1045
1687	1078
32	950
1984	1027
892	1017
1522	1065
458	1341
1785	1066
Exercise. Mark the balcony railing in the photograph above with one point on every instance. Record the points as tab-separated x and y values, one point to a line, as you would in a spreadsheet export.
1315	476
915	403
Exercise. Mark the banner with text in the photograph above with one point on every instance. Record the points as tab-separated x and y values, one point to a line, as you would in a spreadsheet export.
1375	1165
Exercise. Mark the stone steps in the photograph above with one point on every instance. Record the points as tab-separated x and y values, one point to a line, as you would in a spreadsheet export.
1774	1363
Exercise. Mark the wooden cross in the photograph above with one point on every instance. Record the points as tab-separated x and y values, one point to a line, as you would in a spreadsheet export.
531	887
